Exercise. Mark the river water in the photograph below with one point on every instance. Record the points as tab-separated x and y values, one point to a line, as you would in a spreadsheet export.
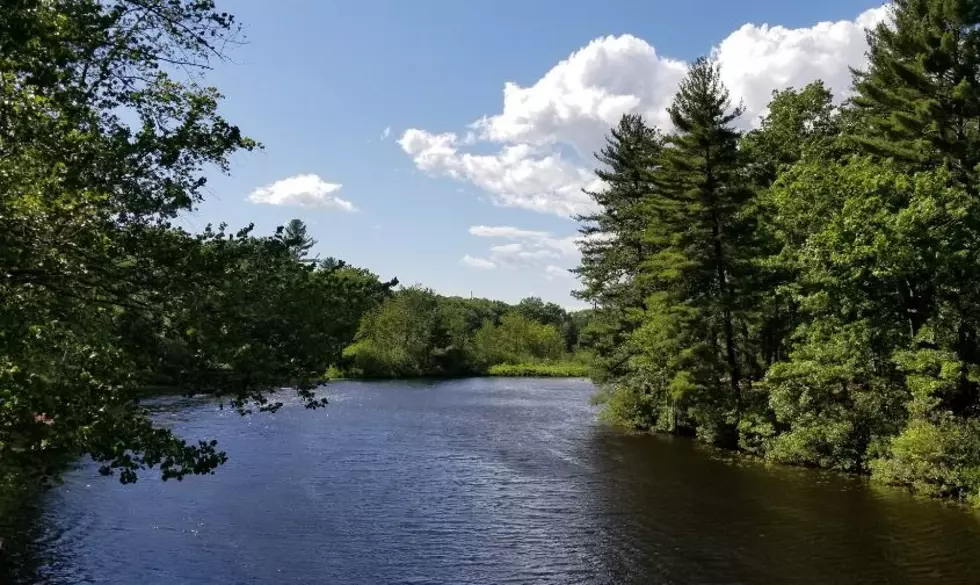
478	482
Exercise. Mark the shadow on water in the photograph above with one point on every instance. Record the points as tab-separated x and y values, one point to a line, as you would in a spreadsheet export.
672	512
33	552
467	482
30	554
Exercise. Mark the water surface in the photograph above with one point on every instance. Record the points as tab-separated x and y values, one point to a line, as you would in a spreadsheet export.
485	481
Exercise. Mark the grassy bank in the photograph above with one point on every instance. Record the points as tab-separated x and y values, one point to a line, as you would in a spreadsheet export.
528	370
556	370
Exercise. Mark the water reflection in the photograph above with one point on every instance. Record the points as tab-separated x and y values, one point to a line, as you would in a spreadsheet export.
676	514
482	481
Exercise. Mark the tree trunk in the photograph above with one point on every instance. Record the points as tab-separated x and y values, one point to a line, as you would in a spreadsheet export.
729	329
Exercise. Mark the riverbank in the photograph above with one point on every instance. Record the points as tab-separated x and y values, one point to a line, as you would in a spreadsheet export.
444	481
559	370
563	369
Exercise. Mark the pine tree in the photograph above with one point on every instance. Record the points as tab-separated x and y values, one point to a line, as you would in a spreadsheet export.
702	198
920	98
920	94
296	237
612	237
613	244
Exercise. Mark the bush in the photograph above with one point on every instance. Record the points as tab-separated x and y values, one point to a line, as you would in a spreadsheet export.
542	370
629	407
937	459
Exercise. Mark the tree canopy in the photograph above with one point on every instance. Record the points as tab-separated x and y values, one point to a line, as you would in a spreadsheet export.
804	291
416	332
101	295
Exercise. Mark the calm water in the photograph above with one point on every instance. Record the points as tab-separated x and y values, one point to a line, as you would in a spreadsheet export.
485	481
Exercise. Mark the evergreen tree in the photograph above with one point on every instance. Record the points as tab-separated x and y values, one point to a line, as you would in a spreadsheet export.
296	237
699	211
919	103
919	95
613	244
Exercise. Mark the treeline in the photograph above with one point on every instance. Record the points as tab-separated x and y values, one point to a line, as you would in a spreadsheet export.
416	332
808	291
102	295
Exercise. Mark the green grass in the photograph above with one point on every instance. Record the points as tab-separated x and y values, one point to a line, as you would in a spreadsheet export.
554	370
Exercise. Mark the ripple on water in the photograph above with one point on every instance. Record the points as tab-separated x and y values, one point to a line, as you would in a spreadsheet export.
484	481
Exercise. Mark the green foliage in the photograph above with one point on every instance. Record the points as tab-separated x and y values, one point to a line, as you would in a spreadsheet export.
101	296
515	340
935	458
398	338
297	239
418	333
805	292
350	294
540	370
918	97
613	244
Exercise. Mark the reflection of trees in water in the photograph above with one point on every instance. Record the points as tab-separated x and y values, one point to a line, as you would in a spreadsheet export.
30	553
667	512
641	507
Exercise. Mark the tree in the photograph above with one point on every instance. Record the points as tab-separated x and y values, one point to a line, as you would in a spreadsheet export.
534	309
297	239
517	340
613	244
919	98
799	124
807	288
100	295
352	293
697	229
398	339
919	104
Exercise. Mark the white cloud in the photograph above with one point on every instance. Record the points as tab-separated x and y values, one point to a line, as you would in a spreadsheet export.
516	176
308	191
574	105
528	248
552	272
581	97
480	263
755	60
503	231
385	133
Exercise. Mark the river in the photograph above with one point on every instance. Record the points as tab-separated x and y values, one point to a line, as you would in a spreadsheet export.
484	481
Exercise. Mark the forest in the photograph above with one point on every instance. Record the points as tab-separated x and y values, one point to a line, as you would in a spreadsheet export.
416	332
106	140
805	291
380	330
102	293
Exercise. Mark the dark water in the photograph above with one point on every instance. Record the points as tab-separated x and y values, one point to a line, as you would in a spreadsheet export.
486	481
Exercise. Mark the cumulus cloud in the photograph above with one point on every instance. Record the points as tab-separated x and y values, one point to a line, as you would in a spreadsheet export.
755	60
517	176
528	248
480	263
572	107
581	97
308	191
385	133
552	272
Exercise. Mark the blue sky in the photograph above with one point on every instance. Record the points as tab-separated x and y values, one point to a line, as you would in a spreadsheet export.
453	183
